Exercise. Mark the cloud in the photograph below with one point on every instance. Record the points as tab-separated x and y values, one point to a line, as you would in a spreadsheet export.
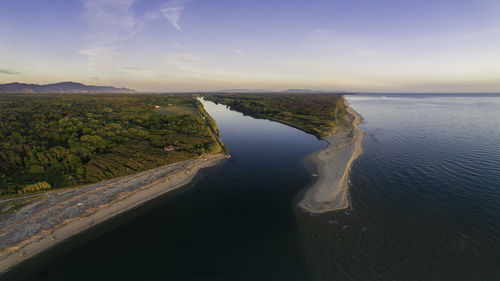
182	58
184	64
110	23
7	71
177	45
101	53
111	20
101	58
172	11
151	15
139	69
240	52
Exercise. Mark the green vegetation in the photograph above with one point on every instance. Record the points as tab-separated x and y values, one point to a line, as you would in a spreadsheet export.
206	117
317	114
43	185
61	140
178	110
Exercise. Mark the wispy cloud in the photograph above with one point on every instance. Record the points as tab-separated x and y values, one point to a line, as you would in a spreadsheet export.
101	58
151	15
101	53
172	11
190	68
137	70
183	64
182	58
110	23
177	45
111	20
240	52
8	71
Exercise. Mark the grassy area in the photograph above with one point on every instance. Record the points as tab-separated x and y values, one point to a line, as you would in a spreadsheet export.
178	110
317	114
62	140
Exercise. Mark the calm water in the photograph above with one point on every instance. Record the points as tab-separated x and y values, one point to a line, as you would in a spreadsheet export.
425	194
425	206
236	222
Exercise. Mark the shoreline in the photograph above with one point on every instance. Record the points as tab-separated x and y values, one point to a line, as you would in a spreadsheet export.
331	189
47	221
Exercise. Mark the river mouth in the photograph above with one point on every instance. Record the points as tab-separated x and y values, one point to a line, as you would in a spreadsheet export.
424	206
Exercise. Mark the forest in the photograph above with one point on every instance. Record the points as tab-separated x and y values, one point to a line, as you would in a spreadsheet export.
51	141
317	114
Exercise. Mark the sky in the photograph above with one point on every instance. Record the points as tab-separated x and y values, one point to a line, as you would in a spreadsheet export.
191	45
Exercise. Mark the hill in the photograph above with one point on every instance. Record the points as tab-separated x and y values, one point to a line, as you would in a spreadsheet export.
63	87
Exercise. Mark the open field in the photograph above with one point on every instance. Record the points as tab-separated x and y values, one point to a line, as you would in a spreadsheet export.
178	110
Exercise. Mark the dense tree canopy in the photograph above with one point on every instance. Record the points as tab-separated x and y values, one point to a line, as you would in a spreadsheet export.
51	141
318	114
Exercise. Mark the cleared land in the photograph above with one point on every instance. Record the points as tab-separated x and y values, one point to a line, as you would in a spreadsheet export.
178	110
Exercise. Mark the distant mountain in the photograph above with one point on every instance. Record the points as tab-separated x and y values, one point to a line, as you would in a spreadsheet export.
315	91
63	87
244	91
302	91
290	91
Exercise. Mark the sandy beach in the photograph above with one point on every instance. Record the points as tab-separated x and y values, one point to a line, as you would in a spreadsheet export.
331	189
60	215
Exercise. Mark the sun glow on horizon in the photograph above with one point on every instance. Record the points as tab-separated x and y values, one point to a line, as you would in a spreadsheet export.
184	45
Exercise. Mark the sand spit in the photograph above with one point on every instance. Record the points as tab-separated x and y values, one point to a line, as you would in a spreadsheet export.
49	220
331	189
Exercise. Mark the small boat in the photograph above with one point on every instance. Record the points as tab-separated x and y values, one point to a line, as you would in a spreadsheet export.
314	175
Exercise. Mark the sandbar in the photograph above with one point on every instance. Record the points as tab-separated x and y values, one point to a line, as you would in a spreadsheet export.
331	189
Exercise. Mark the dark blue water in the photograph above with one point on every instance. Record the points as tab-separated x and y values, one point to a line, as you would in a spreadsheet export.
425	205
425	194
235	222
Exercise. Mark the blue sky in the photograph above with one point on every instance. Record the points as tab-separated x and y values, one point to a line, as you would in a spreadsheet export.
183	45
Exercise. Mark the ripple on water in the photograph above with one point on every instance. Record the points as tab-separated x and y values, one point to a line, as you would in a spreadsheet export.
424	195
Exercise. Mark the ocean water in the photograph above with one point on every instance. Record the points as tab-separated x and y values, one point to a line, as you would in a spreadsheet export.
425	195
425	205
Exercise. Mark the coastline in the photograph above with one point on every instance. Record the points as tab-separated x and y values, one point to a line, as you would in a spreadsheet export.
47	221
331	189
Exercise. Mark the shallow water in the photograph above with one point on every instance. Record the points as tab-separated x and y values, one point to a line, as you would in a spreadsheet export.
425	205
